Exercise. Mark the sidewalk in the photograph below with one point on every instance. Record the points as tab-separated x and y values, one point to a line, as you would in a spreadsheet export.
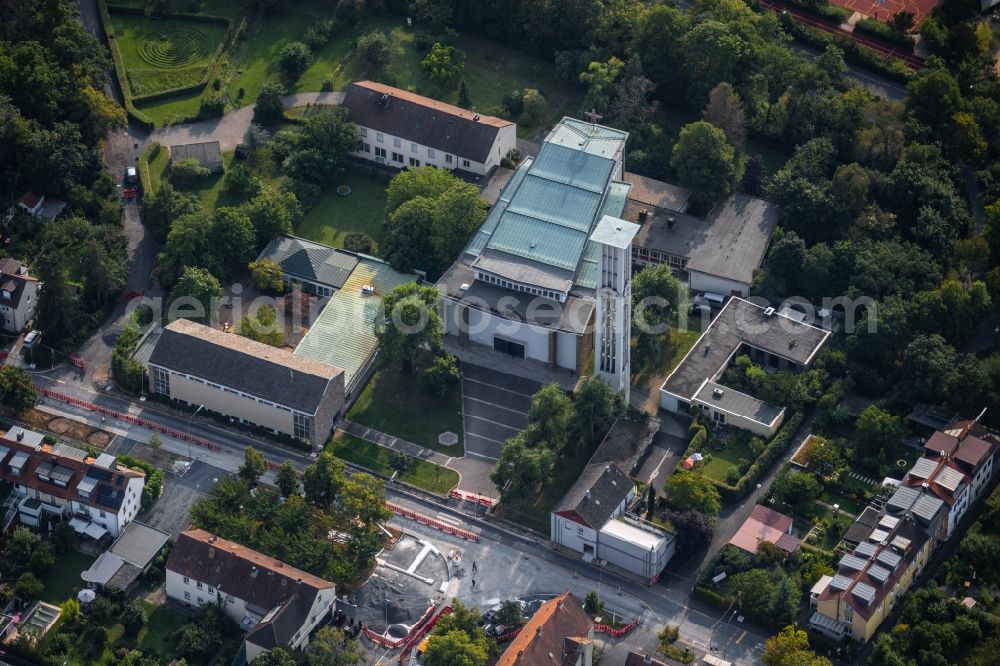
394	443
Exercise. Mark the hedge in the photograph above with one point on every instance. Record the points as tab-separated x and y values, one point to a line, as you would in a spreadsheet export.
154	479
148	155
853	52
885	32
826	10
697	441
771	453
116	58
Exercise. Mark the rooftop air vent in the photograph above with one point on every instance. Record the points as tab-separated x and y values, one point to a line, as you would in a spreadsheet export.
367	289
717	392
465	286
769	312
643	214
20	434
671	221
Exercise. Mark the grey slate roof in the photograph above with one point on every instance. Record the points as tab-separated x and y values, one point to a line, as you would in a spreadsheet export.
243	364
742	322
597	493
310	261
422	120
278	629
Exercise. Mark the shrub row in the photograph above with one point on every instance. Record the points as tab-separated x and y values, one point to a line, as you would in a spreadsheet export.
771	453
884	31
853	52
827	10
696	442
151	152
120	71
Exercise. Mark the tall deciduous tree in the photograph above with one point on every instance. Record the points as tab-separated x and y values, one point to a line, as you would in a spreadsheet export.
658	298
17	392
332	647
269	108
791	648
262	326
201	286
725	111
253	467
456	648
161	208
706	164
58	309
595	408
287	479
408	323
687	491
323	480
549	418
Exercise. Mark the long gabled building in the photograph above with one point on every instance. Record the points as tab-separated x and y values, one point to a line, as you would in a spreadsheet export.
96	495
276	604
400	129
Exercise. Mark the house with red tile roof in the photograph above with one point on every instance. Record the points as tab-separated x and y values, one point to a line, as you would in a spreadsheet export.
764	524
559	634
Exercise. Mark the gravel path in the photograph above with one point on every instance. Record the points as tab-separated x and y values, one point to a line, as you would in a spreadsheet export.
229	129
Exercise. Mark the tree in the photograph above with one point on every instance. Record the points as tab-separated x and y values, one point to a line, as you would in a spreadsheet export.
706	164
287	479
443	62
262	326
28	586
928	369
273	657
63	537
231	239
694	530
69	611
823	457
456	648
796	490
361	506
687	491
412	183
550	418
373	51
17	391
21	545
464	99
133	617
255	137
533	107
443	376
850	186
294	58
200	290
521	468
323	480
102	114
510	614
658	298
725	111
600	80
266	275
253	467
592	603
785	602
754	175
269	109
198	642
58	310
187	170
318	148
595	408
407	324
272	212
240	181
459	211
668	636
160	208
933	97
791	648
332	647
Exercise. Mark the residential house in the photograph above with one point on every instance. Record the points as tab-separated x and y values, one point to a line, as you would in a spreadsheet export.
276	604
208	154
871	579
129	557
246	380
40	205
96	494
558	634
776	341
765	524
402	129
18	295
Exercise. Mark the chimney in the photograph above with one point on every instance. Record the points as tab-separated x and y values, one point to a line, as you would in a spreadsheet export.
538	632
643	214
671	221
559	604
211	553
253	572
646	659
20	434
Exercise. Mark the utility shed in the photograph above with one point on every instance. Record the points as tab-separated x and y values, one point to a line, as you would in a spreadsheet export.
208	154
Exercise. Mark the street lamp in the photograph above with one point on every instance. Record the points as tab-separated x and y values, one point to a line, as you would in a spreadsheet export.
758	493
191	418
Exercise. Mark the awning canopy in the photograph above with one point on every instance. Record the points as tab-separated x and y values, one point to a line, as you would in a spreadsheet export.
827	625
83	528
103	568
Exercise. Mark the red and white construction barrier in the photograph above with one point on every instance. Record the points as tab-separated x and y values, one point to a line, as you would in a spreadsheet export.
431	522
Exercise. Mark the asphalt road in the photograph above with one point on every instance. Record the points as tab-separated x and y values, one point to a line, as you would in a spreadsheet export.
495	408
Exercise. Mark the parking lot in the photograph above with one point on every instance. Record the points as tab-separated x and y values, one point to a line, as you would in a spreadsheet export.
495	407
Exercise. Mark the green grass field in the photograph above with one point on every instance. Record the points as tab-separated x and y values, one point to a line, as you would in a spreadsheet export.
398	405
172	109
207	189
165	54
63	582
724	460
334	216
427	475
158	634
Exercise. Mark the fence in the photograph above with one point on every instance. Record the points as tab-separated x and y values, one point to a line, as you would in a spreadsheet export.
430	522
423	631
393	644
472	497
134	420
616	633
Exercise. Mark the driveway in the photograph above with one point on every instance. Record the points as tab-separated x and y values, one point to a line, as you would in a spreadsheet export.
495	407
230	128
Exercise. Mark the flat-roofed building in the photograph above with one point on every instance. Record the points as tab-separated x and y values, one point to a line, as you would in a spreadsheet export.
399	128
771	339
246	380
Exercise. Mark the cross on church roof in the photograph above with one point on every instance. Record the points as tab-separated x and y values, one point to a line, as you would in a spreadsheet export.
593	116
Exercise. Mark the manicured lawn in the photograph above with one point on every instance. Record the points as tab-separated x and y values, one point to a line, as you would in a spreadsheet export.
158	634
63	582
423	474
207	189
362	211
165	54
725	459
156	168
171	109
398	405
